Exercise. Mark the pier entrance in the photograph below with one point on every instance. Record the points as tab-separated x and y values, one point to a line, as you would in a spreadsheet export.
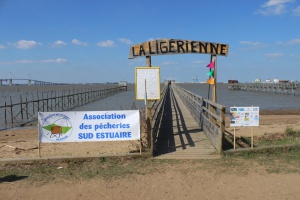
174	127
180	136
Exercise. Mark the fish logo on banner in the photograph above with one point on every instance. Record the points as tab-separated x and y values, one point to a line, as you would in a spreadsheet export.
55	127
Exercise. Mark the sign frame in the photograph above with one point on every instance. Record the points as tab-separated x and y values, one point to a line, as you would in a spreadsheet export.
147	83
89	126
244	116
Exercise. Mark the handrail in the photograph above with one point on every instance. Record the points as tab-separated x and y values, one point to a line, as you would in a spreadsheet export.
209	115
157	110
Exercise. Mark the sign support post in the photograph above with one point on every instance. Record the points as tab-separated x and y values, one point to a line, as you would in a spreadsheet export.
213	58
252	137
233	137
148	111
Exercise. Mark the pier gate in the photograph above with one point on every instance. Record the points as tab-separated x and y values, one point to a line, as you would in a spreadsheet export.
209	115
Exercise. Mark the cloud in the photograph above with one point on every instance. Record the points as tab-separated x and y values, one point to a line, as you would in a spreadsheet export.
59	43
250	43
169	63
106	43
274	55
125	41
294	41
57	60
274	7
291	42
296	11
26	44
78	42
2	46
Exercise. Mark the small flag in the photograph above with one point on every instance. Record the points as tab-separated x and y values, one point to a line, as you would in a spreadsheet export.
211	65
211	81
210	73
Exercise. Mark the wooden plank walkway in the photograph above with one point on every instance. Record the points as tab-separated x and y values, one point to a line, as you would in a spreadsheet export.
180	136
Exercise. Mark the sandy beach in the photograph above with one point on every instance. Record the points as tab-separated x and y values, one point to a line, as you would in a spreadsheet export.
178	181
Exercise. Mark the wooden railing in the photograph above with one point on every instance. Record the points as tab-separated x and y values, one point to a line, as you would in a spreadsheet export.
209	115
157	111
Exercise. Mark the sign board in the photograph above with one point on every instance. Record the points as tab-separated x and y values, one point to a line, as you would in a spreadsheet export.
244	116
89	126
147	80
177	46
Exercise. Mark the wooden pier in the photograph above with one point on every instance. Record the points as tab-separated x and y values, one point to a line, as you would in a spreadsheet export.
25	110
276	88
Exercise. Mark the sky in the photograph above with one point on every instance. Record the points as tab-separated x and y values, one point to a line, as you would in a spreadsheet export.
88	41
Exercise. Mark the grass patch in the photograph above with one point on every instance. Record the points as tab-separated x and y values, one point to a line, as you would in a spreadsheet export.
289	137
275	160
104	168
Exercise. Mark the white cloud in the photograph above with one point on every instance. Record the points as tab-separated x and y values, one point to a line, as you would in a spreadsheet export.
59	43
294	41
57	60
106	43
274	7
274	55
169	63
2	46
26	44
296	11
125	41
78	42
250	43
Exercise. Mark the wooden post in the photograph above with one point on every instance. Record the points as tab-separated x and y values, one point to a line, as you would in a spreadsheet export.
5	116
233	137
26	107
252	137
148	113
38	102
11	111
43	101
39	147
21	107
213	58
33	103
222	125
140	146
212	108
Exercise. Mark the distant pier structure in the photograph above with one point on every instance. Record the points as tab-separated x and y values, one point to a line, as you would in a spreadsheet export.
281	87
12	82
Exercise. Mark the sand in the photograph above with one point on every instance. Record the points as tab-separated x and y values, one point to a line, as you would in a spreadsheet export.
185	182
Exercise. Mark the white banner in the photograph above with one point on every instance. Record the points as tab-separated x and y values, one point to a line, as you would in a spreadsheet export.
244	116
89	126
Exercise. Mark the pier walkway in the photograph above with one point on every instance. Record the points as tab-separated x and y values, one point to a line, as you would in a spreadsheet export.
180	136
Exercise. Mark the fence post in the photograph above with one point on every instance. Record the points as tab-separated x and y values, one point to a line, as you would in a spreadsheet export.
5	118
21	107
11	111
222	125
